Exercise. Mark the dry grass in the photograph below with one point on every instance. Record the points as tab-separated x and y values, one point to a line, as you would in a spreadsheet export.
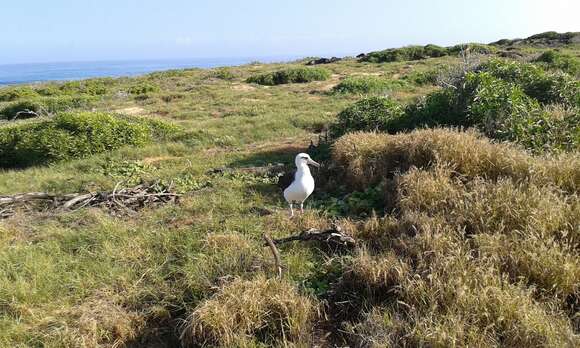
265	309
370	157
482	249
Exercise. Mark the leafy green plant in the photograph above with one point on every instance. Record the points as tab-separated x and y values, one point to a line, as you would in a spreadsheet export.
422	78
545	87
476	48
374	113
143	89
223	74
366	85
68	135
44	105
553	59
15	93
90	87
292	75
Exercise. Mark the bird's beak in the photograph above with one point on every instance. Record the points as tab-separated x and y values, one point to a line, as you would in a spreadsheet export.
314	163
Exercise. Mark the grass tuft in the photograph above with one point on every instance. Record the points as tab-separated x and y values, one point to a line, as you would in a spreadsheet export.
241	311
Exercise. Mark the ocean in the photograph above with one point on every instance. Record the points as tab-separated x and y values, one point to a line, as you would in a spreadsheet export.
40	72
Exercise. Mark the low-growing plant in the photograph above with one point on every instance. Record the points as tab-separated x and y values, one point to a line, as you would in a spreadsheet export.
545	87
69	135
474	48
93	87
502	99
553	59
292	75
422	78
143	88
374	113
43	106
223	74
14	93
366	85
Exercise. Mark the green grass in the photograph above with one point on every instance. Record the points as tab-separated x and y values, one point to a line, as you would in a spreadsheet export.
463	240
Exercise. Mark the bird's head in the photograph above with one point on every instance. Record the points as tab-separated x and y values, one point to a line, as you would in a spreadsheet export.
304	159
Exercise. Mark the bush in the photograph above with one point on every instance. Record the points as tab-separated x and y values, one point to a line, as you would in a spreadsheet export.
69	135
92	87
366	85
500	98
143	89
223	74
553	59
374	113
292	75
421	78
404	53
431	50
44	105
14	93
473	48
496	103
545	87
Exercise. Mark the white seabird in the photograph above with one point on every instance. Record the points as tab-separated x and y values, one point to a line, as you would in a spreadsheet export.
303	183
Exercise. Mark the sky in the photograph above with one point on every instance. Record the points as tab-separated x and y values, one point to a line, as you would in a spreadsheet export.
92	30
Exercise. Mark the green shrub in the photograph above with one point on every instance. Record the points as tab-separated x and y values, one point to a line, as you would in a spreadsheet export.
421	78
292	75
366	84
90	87
374	113
14	93
440	108
431	50
143	88
405	53
48	90
546	87
223	74
553	59
552	35
502	99
472	48
69	135
45	105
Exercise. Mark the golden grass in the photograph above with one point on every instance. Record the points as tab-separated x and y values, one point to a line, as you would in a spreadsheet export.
482	249
370	157
268	309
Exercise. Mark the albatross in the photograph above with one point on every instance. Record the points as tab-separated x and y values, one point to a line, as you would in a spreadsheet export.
303	183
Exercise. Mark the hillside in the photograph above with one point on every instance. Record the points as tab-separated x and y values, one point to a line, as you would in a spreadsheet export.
455	171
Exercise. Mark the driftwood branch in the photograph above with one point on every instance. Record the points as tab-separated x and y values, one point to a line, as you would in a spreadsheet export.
275	253
333	237
127	199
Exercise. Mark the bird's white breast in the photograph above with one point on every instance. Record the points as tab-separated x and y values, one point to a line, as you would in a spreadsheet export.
301	187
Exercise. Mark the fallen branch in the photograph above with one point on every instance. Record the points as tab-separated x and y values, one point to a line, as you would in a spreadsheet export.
276	254
333	237
119	200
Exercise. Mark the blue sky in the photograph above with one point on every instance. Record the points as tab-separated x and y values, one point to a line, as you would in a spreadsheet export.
68	30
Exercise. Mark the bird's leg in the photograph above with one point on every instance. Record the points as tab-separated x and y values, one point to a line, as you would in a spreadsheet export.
291	211
301	207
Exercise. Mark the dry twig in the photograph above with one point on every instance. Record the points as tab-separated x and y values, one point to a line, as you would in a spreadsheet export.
276	253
